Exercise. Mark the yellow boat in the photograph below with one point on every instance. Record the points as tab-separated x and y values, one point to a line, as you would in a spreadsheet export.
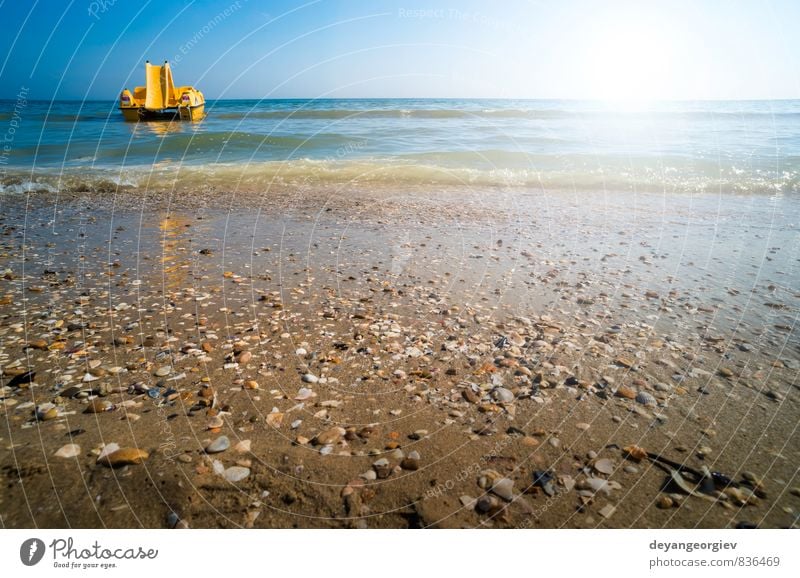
161	98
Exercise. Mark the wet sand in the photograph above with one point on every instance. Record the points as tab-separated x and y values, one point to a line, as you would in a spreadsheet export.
399	358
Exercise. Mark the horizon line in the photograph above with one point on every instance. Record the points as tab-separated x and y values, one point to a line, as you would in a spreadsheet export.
568	99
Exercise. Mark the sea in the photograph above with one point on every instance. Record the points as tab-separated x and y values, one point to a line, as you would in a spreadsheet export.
718	147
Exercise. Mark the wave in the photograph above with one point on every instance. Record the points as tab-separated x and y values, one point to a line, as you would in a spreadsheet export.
394	172
209	144
61	112
499	113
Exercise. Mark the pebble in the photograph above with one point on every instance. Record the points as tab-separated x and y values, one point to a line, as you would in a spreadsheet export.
244	357
68	451
486	504
746	525
220	444
382	468
410	464
163	371
236	474
310	378
664	502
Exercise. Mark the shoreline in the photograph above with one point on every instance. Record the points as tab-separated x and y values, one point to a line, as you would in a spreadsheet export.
395	301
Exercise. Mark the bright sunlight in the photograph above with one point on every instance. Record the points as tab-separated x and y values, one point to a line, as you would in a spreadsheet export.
631	60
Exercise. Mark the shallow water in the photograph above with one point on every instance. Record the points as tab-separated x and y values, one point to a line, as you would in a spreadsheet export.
739	146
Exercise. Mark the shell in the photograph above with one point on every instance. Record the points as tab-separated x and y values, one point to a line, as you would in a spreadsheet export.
625	392
595	485
635	453
646	399
504	488
68	451
99	406
681	482
123	457
604	466
303	394
502	395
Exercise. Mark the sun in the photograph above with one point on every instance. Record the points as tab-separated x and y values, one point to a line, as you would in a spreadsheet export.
630	60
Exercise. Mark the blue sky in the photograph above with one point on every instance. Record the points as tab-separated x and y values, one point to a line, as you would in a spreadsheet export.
610	49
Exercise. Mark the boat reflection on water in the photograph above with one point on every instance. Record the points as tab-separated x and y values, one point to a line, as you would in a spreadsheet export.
175	263
158	128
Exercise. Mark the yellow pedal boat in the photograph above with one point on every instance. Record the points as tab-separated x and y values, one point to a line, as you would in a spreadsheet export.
161	99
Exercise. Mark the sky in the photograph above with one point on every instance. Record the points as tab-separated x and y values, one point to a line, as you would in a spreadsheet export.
579	49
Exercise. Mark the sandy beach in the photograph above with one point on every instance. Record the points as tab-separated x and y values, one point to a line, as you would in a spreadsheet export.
393	357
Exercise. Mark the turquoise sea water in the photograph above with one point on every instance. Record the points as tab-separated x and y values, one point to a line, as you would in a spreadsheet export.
726	147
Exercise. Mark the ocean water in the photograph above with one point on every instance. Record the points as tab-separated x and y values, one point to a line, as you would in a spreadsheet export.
716	147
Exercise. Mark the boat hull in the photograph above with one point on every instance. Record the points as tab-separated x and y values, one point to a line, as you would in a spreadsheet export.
135	114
